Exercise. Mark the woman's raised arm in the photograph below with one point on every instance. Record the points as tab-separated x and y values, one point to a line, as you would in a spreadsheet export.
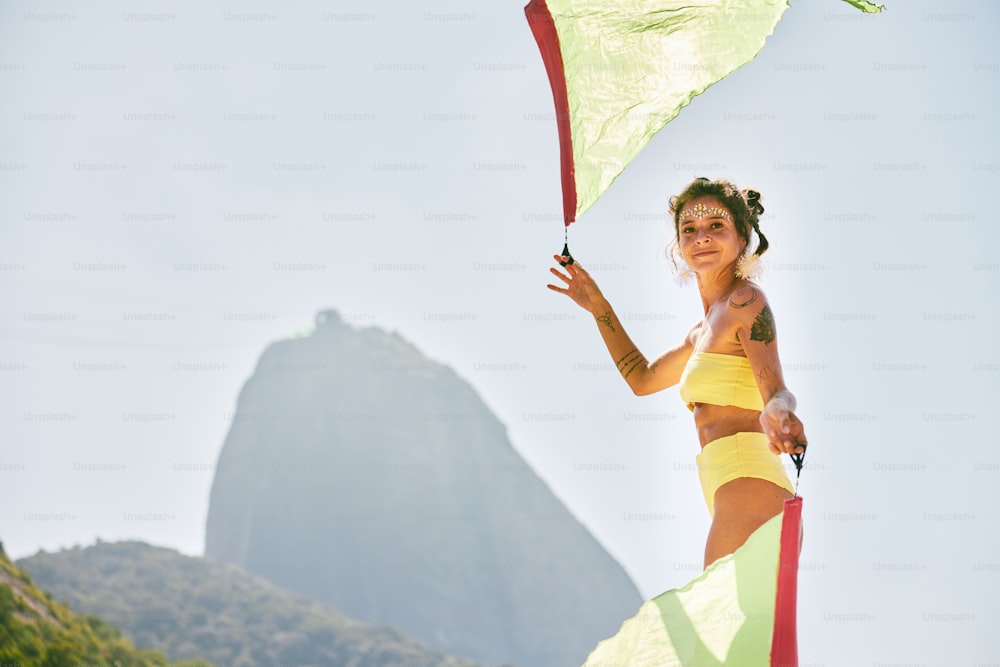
642	377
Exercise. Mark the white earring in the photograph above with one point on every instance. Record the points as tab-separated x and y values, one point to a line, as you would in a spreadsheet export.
748	266
683	274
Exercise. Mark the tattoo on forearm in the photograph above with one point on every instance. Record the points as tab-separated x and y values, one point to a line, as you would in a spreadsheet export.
628	363
640	360
741	298
606	318
627	358
763	326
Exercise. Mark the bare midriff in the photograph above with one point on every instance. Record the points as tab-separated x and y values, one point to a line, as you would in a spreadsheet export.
718	421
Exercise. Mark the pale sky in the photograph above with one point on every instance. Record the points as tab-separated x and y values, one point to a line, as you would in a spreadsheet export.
185	183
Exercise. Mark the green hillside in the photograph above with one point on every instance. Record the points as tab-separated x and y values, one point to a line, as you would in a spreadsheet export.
188	607
35	631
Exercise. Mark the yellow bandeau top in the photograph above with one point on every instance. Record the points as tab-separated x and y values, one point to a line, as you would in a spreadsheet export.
720	379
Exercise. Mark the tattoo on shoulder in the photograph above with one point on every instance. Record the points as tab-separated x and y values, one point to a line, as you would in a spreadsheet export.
606	318
763	326
743	297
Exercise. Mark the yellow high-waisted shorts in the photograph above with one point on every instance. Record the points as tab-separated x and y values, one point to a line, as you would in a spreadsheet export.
743	454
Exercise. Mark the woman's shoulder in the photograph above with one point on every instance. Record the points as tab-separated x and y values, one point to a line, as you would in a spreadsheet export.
748	314
691	340
745	304
745	294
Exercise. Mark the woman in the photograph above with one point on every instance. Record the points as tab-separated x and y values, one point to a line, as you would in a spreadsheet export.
727	366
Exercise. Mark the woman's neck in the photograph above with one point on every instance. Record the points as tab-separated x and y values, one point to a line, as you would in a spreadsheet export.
714	286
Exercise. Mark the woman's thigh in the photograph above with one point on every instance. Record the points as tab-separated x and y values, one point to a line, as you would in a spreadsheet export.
741	506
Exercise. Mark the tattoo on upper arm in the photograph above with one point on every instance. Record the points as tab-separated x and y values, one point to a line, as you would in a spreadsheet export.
741	299
763	326
765	373
606	318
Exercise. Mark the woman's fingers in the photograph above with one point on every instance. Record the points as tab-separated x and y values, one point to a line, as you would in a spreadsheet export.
793	443
563	277
562	259
784	432
556	272
579	287
571	268
796	434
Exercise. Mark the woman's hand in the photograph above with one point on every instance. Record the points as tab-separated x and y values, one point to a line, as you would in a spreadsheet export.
784	430
579	285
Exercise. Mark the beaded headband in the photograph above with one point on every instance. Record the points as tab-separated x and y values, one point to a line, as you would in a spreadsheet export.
700	211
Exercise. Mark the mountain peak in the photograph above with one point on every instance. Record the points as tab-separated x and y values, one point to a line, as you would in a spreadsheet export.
365	475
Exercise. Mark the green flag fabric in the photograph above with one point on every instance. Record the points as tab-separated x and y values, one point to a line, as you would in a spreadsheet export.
620	70
724	617
865	6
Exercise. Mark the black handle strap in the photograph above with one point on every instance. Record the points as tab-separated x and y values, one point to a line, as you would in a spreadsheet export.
798	460
565	253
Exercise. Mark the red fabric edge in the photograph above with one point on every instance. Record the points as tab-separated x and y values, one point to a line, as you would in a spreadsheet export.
544	29
784	642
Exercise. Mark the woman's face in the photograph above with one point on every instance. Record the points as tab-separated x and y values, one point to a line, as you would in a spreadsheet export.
706	235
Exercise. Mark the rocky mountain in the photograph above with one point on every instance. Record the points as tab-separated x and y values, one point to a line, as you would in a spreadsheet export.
369	477
187	607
